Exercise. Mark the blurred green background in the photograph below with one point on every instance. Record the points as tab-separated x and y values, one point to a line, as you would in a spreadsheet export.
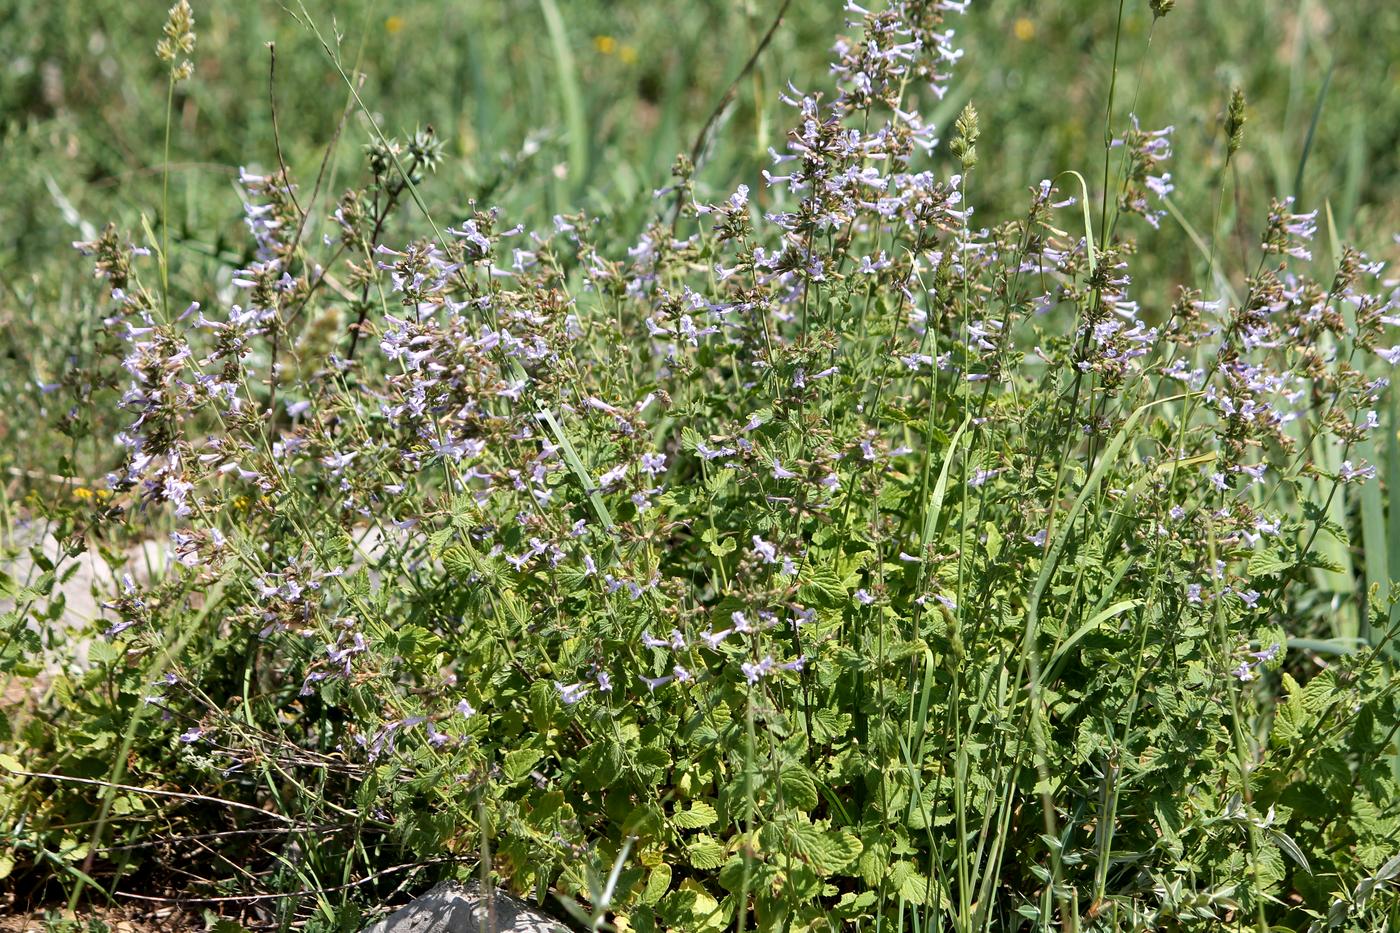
550	105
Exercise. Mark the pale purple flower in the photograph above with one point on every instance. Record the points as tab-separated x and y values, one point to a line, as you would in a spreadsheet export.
117	628
613	476
1348	473
713	453
713	639
653	464
436	738
338	462
981	476
1268	654
1160	185
571	693
766	550
753	672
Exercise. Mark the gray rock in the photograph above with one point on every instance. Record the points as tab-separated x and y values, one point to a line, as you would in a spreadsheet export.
454	908
86	582
82	583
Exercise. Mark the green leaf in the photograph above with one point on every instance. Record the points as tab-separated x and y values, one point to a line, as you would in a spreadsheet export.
519	763
799	788
940	488
994	540
438	541
906	879
1268	561
1291	849
827	724
579	470
1111	612
658	882
721	548
719	479
457	561
827	852
644	821
225	925
1321	561
705	853
824	587
698	815
874	863
846	847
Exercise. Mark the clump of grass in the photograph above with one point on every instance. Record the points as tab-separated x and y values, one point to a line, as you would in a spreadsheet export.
834	561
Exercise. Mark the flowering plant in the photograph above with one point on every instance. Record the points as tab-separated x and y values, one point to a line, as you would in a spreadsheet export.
826	557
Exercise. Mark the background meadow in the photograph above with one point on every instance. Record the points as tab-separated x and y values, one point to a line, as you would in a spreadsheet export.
613	91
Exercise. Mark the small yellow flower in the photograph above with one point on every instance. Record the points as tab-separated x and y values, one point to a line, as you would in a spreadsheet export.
393	24
1024	29
82	492
606	45
628	54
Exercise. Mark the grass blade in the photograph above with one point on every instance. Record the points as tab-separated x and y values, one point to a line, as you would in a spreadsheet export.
569	96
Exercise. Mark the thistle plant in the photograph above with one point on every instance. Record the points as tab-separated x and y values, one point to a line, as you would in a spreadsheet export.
834	559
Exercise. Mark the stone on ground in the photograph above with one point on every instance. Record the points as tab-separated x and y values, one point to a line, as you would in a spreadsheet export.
454	908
